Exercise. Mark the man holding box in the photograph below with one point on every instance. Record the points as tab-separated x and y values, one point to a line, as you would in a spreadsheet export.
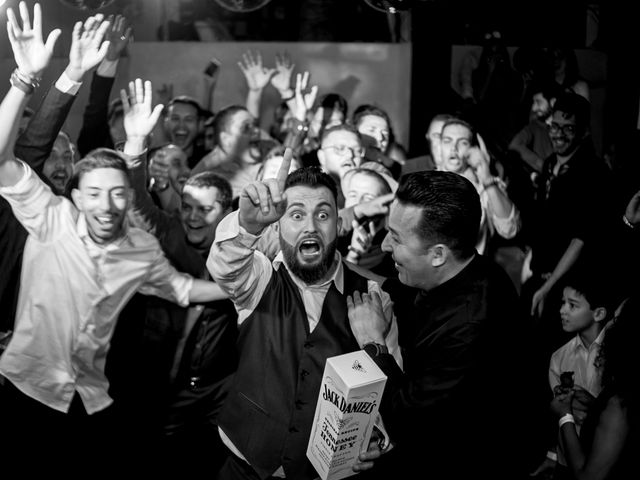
292	316
460	334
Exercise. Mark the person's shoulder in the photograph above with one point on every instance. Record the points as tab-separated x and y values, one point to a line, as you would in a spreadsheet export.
141	239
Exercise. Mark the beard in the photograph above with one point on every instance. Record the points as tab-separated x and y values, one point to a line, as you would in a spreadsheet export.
310	274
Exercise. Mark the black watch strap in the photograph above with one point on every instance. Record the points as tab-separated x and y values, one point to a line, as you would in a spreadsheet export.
375	349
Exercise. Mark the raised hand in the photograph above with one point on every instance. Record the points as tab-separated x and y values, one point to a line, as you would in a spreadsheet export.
139	116
87	46
479	160
119	36
159	171
361	239
367	319
282	78
375	207
31	54
264	203
305	97
256	75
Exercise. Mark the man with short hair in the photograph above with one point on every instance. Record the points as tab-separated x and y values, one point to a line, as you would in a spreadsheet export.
195	356
81	264
340	151
292	317
58	168
459	330
573	206
463	152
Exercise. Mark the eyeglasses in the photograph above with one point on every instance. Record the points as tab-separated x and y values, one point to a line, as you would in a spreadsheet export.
342	150
569	130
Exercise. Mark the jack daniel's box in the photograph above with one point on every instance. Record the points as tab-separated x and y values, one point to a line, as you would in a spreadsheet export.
350	394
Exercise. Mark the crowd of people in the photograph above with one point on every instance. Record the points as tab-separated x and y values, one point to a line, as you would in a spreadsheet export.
174	279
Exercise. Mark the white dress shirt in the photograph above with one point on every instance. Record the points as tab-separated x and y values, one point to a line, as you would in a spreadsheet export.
72	291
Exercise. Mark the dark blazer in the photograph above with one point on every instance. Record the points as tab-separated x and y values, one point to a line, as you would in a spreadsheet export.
95	125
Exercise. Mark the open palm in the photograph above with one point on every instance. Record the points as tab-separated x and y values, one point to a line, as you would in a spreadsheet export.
32	55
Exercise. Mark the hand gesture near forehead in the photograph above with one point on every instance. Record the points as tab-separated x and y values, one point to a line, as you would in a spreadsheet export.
264	203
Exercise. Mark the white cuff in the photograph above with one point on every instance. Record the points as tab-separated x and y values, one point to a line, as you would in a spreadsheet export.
66	85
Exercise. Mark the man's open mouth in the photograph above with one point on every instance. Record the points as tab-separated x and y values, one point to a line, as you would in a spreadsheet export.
310	248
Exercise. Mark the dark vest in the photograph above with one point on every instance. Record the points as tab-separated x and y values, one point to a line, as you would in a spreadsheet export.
269	411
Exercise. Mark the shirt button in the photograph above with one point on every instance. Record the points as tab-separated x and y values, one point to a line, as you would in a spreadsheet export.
304	373
308	345
293	430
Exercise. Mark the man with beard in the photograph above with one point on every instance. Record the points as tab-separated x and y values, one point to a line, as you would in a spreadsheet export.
572	222
292	316
236	153
58	168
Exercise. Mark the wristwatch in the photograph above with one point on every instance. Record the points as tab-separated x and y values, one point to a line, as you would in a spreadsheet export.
375	349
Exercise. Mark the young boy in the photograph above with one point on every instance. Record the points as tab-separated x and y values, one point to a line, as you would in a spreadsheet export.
587	306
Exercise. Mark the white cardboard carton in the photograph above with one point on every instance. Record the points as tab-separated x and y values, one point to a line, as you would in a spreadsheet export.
350	394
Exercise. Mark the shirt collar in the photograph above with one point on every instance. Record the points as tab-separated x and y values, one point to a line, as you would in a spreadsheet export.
83	233
337	278
596	343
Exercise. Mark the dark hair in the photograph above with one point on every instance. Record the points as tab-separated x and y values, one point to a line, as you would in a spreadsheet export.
329	103
222	120
98	158
594	284
571	69
213	180
368	109
572	104
279	114
450	206
185	100
312	177
340	128
548	89
458	121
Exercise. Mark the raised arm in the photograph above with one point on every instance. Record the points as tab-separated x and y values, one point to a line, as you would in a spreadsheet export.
95	126
234	263
87	50
257	78
32	56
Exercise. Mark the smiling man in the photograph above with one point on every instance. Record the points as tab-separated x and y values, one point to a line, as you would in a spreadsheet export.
292	316
458	327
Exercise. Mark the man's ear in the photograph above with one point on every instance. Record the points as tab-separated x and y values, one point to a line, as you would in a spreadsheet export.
600	314
77	198
440	255
131	194
224	142
321	159
276	226
339	223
